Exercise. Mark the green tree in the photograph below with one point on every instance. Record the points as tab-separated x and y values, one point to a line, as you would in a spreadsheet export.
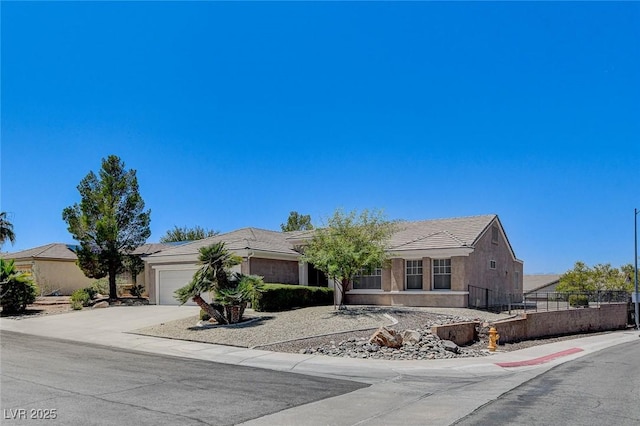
577	280
110	221
297	222
583	279
187	234
6	230
214	275
17	290
349	244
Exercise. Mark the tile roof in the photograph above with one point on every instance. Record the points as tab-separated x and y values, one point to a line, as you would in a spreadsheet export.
440	233
65	251
419	235
534	282
48	251
241	239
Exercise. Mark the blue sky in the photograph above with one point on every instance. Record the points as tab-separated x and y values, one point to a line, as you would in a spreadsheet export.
235	114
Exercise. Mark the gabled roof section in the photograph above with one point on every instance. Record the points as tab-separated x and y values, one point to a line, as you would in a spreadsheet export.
440	233
241	239
534	282
151	248
49	251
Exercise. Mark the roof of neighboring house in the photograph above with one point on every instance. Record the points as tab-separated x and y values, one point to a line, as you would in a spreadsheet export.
62	251
49	251
440	233
535	282
241	239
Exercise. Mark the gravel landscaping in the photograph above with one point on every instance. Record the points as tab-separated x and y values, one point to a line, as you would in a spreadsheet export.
324	330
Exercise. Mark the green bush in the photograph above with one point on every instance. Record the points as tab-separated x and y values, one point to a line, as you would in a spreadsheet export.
81	296
576	300
76	305
17	289
282	297
100	286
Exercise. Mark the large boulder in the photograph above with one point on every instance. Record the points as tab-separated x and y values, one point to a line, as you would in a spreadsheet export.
103	304
386	337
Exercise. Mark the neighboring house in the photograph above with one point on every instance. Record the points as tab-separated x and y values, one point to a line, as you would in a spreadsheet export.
52	266
540	283
433	263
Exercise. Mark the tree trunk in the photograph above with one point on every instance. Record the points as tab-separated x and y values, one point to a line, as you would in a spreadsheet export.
343	292
113	289
213	313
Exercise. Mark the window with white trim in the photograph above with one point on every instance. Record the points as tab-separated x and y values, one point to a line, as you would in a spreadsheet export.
492	264
494	234
442	274
516	280
368	280
414	274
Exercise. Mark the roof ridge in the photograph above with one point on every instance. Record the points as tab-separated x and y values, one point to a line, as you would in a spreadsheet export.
455	237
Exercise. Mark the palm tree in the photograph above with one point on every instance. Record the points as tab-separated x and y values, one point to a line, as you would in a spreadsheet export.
6	230
213	275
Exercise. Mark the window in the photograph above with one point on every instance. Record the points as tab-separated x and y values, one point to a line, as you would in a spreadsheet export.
368	280
492	264
442	274
494	234
414	274
516	280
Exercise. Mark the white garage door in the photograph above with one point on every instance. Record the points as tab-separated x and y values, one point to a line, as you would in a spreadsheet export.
171	280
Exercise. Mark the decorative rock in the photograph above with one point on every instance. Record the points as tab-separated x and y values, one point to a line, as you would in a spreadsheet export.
386	337
410	337
99	305
448	345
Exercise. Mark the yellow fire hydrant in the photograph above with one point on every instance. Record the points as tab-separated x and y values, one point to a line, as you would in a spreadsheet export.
493	338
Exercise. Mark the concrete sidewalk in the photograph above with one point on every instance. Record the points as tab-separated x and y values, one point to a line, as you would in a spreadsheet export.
402	392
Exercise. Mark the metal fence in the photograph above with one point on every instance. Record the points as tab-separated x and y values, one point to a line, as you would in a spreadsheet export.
554	301
493	301
496	301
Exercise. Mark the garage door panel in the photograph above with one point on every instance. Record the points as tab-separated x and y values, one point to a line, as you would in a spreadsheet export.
171	280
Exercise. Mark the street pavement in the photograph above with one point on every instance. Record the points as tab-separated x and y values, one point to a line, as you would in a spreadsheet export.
434	392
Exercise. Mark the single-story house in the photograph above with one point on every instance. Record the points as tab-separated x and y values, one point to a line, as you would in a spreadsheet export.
54	266
433	263
540	283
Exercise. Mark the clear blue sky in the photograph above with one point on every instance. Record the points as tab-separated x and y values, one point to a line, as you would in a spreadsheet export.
235	114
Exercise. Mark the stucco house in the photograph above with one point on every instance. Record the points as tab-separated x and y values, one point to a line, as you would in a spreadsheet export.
52	266
433	263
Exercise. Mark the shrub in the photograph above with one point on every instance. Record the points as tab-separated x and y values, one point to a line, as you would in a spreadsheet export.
17	290
204	316
76	305
80	296
282	297
100	286
577	300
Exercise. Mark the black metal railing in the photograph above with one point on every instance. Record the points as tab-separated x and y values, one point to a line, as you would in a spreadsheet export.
493	301
554	301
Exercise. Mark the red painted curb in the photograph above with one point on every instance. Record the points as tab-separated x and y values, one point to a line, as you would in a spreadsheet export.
541	360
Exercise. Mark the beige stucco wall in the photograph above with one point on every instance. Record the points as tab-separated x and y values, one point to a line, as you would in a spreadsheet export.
50	275
479	274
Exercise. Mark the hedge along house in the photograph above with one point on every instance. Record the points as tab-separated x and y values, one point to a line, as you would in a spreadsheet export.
265	253
433	263
53	268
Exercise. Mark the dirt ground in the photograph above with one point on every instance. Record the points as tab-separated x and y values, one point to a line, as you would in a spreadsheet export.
49	305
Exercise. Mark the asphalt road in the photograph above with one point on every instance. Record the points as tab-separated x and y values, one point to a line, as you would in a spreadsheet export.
598	389
50	381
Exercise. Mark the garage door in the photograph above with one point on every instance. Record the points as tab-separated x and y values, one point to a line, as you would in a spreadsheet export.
171	280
